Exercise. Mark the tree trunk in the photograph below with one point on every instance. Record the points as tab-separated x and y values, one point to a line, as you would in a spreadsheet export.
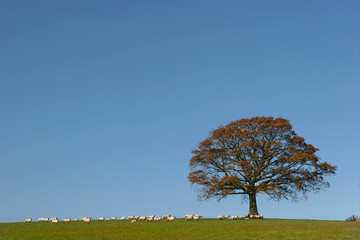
252	205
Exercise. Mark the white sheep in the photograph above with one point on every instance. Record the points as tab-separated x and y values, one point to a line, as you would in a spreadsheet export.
122	219
171	218
67	220
157	219
54	220
220	217
85	219
101	219
28	220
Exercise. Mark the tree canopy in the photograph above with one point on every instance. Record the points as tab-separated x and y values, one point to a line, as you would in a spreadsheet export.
257	155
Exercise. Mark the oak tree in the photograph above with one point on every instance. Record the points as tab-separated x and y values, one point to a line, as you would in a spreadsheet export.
257	155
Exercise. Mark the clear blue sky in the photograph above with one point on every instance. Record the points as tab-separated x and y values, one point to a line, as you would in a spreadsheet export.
101	102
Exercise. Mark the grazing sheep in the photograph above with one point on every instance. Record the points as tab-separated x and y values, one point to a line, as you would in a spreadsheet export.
122	219
113	218
171	218
196	218
149	219
101	219
199	216
142	218
67	220
220	217
75	219
166	216
226	216
43	219
131	217
157	219
85	219
134	221
54	220
28	220
189	217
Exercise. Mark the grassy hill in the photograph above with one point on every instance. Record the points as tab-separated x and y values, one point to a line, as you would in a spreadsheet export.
181	229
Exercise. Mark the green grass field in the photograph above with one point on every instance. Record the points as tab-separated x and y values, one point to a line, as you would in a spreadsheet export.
181	229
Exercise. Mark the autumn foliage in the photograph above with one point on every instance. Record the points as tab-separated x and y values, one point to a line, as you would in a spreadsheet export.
257	155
